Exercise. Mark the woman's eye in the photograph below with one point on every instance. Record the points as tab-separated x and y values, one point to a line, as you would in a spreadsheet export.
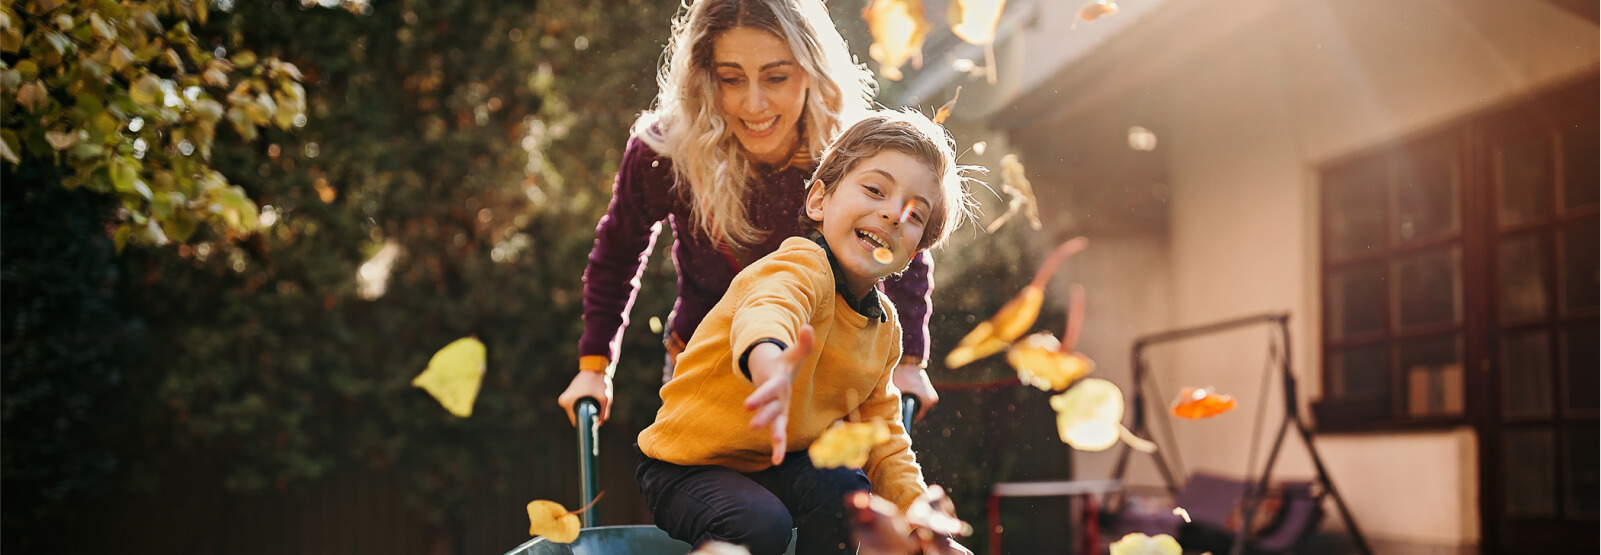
778	79
731	80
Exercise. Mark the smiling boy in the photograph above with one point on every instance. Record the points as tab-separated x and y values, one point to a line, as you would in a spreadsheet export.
804	339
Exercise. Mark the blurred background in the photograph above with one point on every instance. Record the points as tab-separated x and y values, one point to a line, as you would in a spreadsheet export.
1415	183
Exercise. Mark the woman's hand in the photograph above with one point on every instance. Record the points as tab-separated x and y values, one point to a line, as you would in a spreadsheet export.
772	371
596	385
910	378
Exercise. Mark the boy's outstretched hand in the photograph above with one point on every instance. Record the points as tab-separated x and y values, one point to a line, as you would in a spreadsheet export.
772	371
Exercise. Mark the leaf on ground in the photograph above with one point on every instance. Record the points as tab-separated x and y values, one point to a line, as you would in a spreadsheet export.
454	375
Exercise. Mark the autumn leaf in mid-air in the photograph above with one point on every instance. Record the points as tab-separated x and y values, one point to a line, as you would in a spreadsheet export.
881	528
898	28
1089	417
847	444
1094	9
454	375
1204	402
975	21
555	522
1048	364
944	111
1014	181
1141	544
1014	318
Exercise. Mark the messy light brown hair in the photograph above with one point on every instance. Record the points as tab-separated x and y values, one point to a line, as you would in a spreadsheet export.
914	135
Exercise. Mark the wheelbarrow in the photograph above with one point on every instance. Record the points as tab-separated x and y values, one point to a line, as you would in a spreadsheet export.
642	539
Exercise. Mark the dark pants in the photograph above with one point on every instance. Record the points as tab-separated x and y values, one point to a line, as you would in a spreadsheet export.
697	504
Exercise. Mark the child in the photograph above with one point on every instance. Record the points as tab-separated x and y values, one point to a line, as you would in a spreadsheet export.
804	338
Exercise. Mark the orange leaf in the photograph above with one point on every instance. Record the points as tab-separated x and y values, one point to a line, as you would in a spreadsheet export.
1096	8
975	21
1040	364
944	112
898	28
1199	403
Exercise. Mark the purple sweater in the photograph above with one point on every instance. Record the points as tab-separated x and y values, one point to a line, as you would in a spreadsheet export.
643	196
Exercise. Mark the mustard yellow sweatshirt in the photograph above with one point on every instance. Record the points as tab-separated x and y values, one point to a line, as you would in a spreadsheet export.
703	420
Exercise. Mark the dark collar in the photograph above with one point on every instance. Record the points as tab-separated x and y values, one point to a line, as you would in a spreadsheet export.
868	305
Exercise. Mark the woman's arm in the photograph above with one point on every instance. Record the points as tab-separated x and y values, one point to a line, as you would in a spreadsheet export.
624	238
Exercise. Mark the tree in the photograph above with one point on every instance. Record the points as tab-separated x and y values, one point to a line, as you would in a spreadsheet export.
124	95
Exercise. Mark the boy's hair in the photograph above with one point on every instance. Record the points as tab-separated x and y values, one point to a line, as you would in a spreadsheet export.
687	125
914	135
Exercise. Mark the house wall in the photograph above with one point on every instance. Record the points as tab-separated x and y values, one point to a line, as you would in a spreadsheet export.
1246	117
1250	119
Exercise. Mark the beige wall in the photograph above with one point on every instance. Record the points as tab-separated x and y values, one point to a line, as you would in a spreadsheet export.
1249	117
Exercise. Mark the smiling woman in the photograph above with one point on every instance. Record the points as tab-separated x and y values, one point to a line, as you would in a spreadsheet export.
750	92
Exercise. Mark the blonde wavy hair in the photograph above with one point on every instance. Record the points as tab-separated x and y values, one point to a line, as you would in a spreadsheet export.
687	125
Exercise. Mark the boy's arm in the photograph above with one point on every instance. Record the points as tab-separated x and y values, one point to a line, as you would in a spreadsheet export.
772	371
891	466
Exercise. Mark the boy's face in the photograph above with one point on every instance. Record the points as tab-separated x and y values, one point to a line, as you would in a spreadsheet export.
863	214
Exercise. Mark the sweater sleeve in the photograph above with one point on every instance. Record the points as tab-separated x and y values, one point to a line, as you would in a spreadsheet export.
892	466
779	295
623	240
912	294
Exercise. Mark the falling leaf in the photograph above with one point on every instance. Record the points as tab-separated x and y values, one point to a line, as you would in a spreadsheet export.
1014	181
1141	544
454	375
553	521
1199	403
975	21
1089	417
944	111
1014	318
881	528
847	444
1039	363
1181	513
898	28
1094	9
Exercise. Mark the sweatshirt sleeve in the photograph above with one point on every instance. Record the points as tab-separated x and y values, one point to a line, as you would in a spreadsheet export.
623	240
912	294
892	466
779	295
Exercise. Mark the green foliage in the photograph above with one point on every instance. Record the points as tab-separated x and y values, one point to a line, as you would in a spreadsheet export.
125	96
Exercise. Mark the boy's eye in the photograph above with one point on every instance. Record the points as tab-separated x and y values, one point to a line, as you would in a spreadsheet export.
872	190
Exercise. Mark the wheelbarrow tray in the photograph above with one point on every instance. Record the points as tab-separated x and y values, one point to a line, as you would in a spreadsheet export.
608	540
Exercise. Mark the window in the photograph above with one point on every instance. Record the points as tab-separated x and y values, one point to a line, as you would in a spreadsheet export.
1462	265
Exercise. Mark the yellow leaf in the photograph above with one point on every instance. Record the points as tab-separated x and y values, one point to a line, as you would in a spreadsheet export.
1089	415
898	28
975	20
1039	363
1014	181
1141	544
147	90
551	520
100	27
993	335
121	58
60	140
847	444
454	375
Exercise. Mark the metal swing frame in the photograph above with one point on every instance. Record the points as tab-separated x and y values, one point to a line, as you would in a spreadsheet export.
1292	417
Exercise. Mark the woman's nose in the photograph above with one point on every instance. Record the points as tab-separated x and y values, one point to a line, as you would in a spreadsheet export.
755	100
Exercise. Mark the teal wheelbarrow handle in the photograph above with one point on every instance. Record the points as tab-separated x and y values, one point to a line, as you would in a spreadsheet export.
588	410
910	404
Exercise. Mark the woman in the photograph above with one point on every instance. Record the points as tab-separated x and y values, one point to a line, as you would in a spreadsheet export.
750	93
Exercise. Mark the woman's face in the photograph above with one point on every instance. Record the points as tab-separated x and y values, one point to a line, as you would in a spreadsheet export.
761	90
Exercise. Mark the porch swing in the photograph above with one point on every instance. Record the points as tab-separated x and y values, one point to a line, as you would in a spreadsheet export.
1210	500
